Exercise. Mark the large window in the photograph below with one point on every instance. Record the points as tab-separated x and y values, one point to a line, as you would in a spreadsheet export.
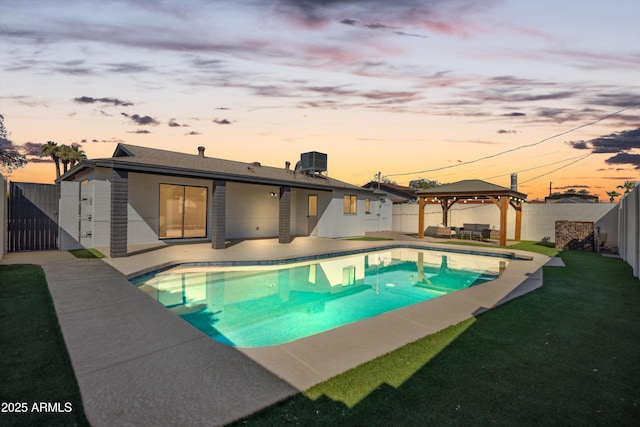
350	203
183	211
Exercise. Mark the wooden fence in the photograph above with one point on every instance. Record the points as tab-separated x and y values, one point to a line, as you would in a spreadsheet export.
32	217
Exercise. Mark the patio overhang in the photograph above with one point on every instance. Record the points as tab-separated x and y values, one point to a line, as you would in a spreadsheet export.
474	189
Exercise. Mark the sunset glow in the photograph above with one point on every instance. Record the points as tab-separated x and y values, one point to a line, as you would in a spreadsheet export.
443	90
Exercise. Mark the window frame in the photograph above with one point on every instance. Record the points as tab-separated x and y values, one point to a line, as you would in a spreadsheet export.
350	204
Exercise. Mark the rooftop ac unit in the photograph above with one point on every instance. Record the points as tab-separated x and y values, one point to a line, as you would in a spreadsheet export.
313	161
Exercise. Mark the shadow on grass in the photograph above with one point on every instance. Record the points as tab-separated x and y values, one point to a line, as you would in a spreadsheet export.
36	376
565	354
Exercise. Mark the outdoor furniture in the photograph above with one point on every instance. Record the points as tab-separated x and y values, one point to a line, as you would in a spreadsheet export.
474	231
437	231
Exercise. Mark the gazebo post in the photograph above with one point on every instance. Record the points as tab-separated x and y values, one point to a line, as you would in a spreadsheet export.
518	207
504	209
421	202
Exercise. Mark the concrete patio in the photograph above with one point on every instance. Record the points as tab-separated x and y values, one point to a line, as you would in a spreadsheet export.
137	363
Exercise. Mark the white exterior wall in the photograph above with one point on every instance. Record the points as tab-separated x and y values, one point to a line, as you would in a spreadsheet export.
334	223
3	216
629	231
251	210
538	220
69	215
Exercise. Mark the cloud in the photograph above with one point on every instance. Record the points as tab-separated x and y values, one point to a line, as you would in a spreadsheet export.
141	120
618	142
112	101
31	149
514	114
221	121
380	26
505	131
139	131
625	158
174	124
193	132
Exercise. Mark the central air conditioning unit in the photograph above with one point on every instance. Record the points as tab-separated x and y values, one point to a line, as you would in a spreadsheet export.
313	162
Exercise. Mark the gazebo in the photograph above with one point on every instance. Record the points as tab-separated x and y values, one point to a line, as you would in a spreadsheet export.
473	189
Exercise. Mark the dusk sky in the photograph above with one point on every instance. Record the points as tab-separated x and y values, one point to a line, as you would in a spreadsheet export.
438	89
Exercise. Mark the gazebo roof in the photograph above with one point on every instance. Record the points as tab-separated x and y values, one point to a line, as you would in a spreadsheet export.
470	188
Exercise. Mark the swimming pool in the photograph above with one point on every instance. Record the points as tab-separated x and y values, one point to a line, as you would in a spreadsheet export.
258	306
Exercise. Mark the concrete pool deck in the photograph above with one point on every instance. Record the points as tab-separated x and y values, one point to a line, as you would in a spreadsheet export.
138	363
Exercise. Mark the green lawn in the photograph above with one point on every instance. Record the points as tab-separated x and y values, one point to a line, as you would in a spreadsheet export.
35	364
566	354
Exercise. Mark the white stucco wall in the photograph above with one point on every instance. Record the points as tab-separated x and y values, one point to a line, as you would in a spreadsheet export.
335	223
629	232
3	216
538	220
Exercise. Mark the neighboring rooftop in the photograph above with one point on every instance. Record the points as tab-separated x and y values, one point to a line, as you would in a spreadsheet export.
397	193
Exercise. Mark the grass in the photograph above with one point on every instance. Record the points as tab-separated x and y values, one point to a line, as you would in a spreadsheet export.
86	253
544	248
565	354
369	238
34	359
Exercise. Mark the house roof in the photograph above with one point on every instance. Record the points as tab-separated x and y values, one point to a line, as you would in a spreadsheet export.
398	193
469	188
135	158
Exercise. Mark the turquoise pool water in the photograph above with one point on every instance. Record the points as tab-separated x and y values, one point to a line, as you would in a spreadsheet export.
257	306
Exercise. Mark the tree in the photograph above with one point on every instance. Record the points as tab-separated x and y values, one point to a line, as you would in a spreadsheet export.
627	186
52	149
584	192
76	155
423	183
612	195
9	159
570	191
65	153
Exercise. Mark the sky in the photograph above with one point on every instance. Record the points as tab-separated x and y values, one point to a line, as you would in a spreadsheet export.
443	90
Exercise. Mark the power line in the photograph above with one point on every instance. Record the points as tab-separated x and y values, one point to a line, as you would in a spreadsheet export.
557	169
522	146
538	167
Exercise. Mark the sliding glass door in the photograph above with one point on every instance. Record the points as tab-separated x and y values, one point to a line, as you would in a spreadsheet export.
183	211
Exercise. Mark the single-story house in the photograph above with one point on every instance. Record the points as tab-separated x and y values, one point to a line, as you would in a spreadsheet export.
143	196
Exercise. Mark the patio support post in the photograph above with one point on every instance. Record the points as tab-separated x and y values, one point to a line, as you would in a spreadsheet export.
218	214
504	209
119	217
518	207
284	216
421	202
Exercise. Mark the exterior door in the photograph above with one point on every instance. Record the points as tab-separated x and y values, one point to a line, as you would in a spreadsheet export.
312	215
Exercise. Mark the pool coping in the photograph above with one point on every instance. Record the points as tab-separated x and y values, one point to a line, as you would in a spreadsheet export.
137	363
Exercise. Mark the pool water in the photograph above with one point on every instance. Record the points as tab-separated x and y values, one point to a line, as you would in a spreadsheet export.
268	305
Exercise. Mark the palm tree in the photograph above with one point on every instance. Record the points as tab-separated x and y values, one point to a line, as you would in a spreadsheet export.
65	154
627	186
76	155
52	149
612	195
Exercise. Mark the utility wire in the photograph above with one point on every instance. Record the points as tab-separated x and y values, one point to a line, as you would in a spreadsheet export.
522	146
538	167
557	169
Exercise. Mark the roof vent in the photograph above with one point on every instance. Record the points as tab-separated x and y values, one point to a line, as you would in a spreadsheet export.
256	164
200	151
